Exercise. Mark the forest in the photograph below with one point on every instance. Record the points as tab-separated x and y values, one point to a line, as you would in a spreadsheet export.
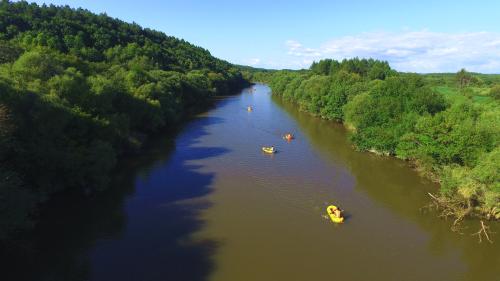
79	90
445	125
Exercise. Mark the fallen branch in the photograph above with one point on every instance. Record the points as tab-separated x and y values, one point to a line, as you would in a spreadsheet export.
451	208
484	230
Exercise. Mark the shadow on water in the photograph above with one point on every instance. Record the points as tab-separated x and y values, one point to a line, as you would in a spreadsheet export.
138	229
394	186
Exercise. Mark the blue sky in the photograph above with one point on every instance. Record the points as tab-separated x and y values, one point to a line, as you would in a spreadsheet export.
422	36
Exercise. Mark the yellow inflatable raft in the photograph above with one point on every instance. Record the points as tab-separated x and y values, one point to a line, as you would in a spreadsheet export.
268	149
330	210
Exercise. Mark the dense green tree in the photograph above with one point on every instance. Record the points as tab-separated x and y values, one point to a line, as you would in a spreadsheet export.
9	52
464	78
78	90
454	136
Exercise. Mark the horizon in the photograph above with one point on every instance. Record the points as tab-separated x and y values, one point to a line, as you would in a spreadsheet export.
418	37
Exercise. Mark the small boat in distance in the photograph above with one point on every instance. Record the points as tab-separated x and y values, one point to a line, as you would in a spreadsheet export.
269	150
288	137
249	108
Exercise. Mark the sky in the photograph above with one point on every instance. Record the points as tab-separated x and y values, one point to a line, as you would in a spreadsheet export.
422	36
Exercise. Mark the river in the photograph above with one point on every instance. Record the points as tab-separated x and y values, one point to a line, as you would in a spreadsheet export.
209	205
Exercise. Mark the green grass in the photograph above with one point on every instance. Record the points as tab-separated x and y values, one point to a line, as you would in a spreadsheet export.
480	95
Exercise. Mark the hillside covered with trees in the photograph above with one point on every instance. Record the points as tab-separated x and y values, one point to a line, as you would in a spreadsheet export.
78	90
447	125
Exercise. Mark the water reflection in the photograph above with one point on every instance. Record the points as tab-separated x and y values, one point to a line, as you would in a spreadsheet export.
139	229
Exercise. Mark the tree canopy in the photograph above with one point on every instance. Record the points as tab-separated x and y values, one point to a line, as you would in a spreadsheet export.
78	90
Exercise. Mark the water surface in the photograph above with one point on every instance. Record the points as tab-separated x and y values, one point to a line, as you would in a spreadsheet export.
209	205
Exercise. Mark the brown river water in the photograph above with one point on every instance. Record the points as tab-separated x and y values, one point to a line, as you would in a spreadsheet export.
209	205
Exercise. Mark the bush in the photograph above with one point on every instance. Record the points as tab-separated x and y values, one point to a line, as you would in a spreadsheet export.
495	92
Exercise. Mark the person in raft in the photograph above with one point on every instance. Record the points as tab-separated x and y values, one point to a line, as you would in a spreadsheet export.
336	212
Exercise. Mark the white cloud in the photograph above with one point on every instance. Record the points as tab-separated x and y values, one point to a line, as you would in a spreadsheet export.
253	61
278	62
415	51
296	49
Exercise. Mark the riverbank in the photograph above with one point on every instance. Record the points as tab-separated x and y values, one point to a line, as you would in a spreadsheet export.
189	205
451	140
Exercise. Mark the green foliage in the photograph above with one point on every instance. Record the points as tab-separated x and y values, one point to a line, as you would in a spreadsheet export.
463	78
322	95
479	187
16	202
446	123
78	90
373	69
36	65
495	92
458	135
9	52
390	110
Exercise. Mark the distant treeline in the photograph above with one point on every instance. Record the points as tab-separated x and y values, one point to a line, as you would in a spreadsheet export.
77	90
448	125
